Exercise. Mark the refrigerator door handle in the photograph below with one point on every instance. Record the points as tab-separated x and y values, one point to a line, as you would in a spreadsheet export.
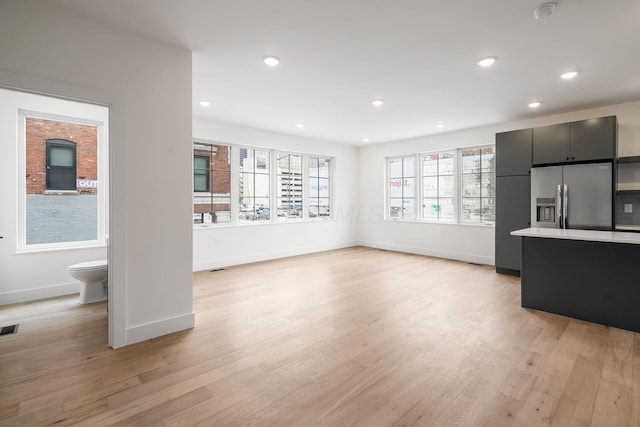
559	206
565	207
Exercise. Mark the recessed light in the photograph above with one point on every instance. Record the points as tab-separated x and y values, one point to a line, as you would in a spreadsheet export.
440	125
544	10
271	60
300	125
377	102
535	104
365	139
487	62
568	75
205	103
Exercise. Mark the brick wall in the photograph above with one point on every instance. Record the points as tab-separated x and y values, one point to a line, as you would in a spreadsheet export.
86	139
220	177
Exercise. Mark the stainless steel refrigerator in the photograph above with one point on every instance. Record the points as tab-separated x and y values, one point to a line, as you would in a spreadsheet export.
573	196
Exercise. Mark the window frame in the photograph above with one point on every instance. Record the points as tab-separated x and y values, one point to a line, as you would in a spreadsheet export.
92	115
416	199
419	190
307	208
207	173
235	156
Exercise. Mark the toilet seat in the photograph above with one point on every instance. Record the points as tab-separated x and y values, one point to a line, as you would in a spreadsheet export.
90	265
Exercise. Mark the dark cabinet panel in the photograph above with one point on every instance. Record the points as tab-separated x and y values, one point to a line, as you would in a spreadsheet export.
512	213
582	141
594	139
552	144
513	152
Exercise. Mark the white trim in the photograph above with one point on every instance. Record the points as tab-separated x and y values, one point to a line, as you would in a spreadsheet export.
230	261
430	252
150	330
39	293
117	220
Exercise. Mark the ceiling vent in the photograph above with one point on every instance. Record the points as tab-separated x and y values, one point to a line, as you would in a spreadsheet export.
544	10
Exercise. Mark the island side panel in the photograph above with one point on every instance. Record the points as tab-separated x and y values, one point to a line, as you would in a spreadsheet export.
594	281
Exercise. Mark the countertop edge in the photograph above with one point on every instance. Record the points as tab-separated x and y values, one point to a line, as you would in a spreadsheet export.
586	235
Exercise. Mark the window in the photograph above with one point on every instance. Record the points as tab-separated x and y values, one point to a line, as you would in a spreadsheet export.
254	185
201	173
478	184
401	186
319	194
289	186
211	183
438	186
63	195
455	186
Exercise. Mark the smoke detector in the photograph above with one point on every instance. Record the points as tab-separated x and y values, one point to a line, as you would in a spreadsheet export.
544	10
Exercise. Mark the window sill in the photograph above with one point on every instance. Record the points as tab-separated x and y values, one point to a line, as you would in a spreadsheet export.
259	223
424	221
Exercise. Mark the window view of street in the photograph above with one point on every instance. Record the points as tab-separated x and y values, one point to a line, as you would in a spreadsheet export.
211	183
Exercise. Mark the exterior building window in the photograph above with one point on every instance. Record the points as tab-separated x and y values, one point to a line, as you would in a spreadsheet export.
319	191
254	185
438	185
61	165
478	184
401	187
289	186
211	183
201	173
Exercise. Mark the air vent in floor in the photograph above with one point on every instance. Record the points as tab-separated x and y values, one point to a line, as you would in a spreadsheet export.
8	330
216	269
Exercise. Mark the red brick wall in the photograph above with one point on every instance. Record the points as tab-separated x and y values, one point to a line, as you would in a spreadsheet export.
86	139
220	182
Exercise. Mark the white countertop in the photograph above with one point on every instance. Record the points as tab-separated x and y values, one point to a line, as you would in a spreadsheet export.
588	235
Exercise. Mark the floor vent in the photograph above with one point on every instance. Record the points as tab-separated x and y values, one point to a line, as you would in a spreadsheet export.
216	269
9	330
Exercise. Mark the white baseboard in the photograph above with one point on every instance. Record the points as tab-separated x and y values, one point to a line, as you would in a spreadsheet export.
39	293
150	330
476	259
238	260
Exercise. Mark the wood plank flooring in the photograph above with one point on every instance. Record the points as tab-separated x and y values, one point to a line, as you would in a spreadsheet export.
356	336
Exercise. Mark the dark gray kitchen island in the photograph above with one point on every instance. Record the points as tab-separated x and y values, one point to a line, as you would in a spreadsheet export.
584	274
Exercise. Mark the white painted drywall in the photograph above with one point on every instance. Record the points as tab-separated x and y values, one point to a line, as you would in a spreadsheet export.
151	155
224	245
463	242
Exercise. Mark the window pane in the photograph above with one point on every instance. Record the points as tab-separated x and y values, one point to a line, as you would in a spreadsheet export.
447	208
430	165
323	187
446	164
488	185
471	209
395	168
446	186
395	187
314	187
262	185
471	185
408	164
408	208
61	156
430	187
212	175
408	188
488	210
261	161
55	218
323	168
431	208
488	163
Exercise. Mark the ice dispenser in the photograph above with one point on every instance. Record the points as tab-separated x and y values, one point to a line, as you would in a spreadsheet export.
545	209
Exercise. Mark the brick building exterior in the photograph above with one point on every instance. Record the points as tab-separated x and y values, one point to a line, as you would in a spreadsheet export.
85	138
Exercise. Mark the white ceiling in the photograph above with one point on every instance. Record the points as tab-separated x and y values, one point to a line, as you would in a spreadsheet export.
418	55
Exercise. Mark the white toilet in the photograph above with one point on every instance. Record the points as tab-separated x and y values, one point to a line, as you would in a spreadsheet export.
93	275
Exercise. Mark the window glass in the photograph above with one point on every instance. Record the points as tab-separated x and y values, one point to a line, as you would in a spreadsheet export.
319	187
254	185
211	183
289	186
438	182
401	188
478	184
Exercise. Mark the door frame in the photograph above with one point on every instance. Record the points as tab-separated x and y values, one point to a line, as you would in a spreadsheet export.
116	248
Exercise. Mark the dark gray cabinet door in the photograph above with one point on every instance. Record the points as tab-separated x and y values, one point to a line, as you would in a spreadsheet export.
594	139
513	152
512	213
552	144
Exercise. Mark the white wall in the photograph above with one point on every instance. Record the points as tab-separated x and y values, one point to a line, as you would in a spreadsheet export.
149	84
224	245
463	242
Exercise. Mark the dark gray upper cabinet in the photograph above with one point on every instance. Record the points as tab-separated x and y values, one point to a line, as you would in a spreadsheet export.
585	140
513	152
594	139
552	144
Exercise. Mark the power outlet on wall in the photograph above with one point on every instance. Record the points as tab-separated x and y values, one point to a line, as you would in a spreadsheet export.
628	208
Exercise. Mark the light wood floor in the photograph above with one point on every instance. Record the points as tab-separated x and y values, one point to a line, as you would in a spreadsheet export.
349	337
